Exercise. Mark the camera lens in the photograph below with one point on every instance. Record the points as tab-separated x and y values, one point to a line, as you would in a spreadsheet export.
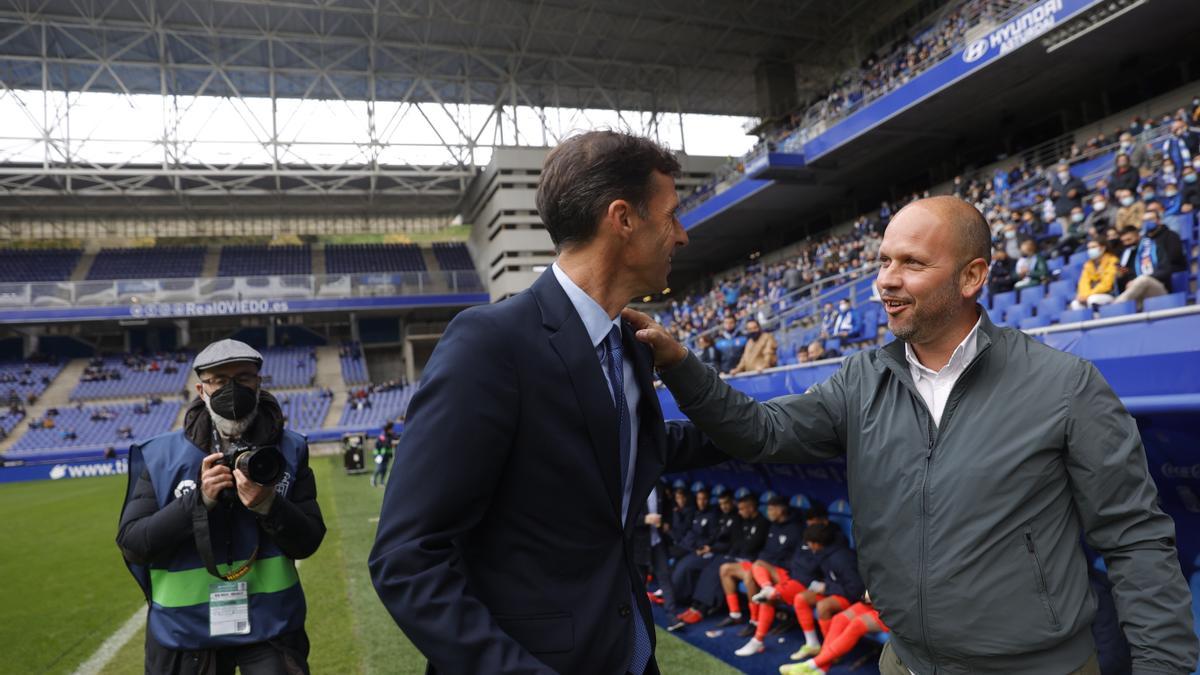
263	465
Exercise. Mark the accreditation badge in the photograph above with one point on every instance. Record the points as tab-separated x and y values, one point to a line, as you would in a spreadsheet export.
228	609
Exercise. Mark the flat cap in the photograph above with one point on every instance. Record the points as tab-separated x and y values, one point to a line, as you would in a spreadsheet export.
226	351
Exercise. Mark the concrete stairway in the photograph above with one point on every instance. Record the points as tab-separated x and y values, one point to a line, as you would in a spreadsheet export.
57	395
329	375
83	266
212	262
318	259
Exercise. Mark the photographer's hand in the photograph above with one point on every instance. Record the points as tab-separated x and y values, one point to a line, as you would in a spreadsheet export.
214	477
255	497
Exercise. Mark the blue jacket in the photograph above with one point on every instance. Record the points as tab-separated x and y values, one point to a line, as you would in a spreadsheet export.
501	547
702	529
782	540
839	571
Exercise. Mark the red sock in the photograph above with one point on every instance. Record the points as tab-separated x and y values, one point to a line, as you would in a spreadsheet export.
766	614
825	625
754	607
838	647
762	575
836	625
804	613
735	606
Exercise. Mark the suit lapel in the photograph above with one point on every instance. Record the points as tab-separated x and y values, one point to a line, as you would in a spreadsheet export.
570	341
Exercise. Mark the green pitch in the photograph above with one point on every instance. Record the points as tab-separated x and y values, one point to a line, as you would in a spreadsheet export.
66	589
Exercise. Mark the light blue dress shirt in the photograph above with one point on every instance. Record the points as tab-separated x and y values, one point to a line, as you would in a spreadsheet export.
598	324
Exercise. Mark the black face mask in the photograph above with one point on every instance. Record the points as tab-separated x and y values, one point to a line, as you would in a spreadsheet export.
234	401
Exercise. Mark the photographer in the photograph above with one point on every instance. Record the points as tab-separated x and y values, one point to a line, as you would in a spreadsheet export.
214	517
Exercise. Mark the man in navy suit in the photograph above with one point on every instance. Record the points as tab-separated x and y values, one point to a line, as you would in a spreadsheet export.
505	538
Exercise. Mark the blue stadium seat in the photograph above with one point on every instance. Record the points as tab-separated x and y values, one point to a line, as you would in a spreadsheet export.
1062	288
1017	312
719	489
1079	259
839	514
1169	301
1002	301
1118	309
1035	322
1031	294
997	316
1075	315
1051	306
800	502
1055	264
1179	282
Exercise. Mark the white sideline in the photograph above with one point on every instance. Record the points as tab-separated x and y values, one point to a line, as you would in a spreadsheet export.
109	648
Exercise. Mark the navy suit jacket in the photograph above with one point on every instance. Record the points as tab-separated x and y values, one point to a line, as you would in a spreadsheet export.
500	546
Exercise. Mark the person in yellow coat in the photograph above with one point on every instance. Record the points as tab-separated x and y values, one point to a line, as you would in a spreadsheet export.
1098	280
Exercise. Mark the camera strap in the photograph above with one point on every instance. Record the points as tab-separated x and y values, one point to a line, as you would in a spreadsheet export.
203	535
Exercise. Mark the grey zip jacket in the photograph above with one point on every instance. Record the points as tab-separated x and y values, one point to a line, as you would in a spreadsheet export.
969	532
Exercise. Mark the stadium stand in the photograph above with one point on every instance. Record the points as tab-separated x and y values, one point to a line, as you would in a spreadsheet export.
370	408
250	261
373	258
453	256
26	380
133	375
304	410
17	266
157	262
78	428
285	367
354	365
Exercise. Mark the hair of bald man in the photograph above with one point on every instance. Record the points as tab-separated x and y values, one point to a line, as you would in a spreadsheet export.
974	233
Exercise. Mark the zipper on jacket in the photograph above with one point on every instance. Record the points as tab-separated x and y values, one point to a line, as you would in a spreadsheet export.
1043	589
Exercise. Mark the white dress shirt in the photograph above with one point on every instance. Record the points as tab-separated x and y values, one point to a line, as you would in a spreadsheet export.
598	323
934	387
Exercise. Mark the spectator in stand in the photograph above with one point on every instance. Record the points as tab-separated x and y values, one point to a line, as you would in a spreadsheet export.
760	352
1074	233
1012	245
1098	281
1136	153
847	326
1126	261
708	354
1190	195
1129	214
1159	255
1066	190
1031	267
730	343
1149	195
792	277
1102	217
817	351
1182	145
1002	273
1171	200
1125	176
828	320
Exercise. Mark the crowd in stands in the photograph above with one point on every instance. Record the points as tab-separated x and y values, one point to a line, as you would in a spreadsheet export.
83	426
22	382
1110	224
374	405
765	563
133	375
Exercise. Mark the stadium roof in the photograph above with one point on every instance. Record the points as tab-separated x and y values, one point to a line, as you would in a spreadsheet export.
695	56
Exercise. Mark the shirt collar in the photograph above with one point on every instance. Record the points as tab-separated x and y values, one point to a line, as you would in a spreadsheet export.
596	321
963	353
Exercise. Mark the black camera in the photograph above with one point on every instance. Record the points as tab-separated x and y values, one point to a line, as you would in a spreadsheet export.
261	464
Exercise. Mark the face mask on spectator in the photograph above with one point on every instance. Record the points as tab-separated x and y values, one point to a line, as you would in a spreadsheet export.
1196	164
1099	205
1189	178
1076	217
1126	201
1093	252
844	307
1148	196
1149	225
1114	243
1063	176
1010	234
1170	193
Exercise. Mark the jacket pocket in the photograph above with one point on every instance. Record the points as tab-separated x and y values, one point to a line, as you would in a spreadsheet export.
540	633
1040	578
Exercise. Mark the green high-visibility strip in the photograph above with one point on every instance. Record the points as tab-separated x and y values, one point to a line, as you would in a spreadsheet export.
190	587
